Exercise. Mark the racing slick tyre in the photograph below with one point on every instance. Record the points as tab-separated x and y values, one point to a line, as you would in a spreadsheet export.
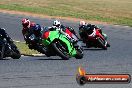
61	50
42	49
2	49
79	54
102	43
16	53
108	44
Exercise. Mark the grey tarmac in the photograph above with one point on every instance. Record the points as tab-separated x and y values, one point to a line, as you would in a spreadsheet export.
52	72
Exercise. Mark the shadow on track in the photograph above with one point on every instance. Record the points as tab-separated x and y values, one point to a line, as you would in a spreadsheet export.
93	49
4	59
50	59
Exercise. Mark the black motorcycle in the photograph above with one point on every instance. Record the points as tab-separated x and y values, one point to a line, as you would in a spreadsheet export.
35	44
8	49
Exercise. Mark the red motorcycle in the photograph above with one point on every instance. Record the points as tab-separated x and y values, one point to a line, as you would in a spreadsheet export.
74	36
96	39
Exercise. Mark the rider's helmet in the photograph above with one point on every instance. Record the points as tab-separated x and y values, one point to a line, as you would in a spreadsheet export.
82	28
56	23
82	23
26	23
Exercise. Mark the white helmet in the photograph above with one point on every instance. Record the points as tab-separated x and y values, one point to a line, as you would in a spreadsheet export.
56	23
82	23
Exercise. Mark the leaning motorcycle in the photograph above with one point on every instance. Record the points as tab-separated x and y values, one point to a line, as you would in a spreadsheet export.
8	50
59	44
35	44
96	39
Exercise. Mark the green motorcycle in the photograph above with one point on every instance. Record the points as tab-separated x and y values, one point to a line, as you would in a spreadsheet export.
60	45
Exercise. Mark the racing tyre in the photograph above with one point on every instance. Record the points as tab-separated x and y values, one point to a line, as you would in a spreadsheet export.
102	43
108	45
42	49
16	53
79	54
2	49
61	50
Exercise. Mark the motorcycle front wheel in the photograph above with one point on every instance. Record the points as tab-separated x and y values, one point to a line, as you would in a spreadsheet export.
79	54
2	49
61	50
16	53
102	43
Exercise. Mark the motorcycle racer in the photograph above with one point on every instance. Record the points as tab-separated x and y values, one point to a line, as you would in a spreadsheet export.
26	30
89	29
31	29
5	35
9	40
64	30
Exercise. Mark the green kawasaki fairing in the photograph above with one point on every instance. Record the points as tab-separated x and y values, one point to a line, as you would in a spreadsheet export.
56	35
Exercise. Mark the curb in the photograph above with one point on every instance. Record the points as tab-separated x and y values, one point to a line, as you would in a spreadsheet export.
18	41
34	55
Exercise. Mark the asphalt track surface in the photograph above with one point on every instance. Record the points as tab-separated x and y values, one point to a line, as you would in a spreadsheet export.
52	72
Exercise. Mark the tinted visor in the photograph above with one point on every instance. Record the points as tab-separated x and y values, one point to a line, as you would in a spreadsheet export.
57	25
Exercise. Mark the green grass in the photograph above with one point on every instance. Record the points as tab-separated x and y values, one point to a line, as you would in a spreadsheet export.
24	49
111	11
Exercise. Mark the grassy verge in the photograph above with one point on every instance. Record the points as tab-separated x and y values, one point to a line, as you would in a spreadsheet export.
116	11
24	49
